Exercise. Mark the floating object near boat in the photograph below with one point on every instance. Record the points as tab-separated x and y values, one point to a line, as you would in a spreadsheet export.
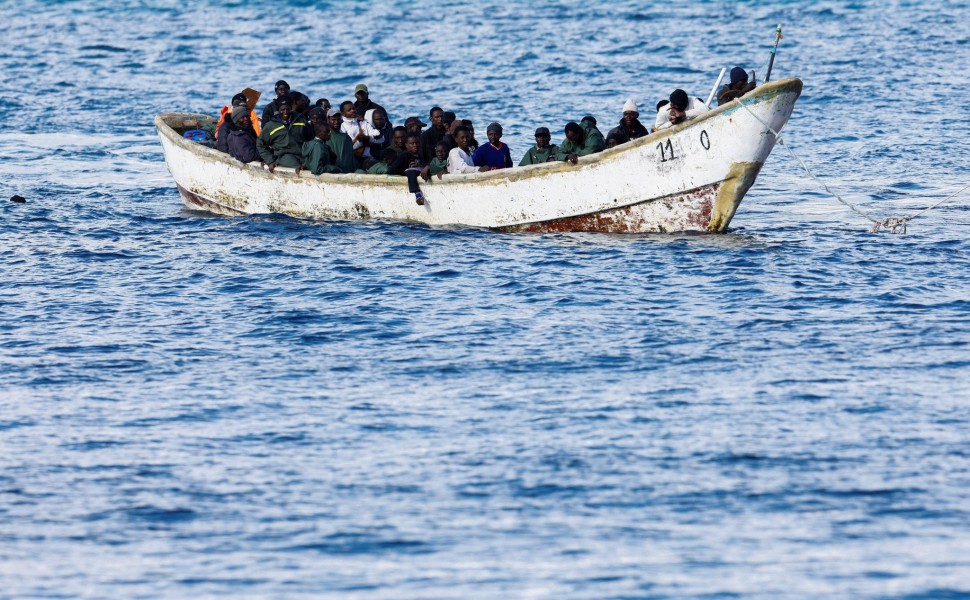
17	198
689	177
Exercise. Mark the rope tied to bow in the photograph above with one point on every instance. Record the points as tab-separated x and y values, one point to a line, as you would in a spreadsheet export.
893	224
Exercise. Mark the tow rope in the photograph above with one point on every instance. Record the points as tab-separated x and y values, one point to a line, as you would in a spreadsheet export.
893	224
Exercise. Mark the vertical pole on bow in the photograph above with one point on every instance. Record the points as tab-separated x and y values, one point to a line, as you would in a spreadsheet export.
717	84
771	60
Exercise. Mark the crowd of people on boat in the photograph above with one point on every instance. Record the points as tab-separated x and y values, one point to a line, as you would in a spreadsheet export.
358	137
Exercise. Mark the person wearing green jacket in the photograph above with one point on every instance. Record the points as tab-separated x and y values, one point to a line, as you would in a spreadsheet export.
316	152
593	134
281	140
543	151
380	167
340	144
578	143
439	164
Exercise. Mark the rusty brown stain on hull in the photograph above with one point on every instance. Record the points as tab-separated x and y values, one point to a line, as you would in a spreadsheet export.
740	178
200	203
629	219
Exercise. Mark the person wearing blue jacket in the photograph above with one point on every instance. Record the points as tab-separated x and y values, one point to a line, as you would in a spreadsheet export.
494	154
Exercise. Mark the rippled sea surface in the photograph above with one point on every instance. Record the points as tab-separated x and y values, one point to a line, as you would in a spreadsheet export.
261	407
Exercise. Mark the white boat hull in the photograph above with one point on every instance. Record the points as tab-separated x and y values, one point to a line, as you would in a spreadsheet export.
690	177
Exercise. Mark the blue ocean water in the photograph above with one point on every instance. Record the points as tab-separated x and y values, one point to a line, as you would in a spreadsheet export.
262	407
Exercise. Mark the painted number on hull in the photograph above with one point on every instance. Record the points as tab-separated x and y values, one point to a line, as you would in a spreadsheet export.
667	148
666	151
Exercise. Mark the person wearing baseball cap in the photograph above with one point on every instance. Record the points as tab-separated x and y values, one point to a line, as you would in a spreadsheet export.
414	125
363	103
543	151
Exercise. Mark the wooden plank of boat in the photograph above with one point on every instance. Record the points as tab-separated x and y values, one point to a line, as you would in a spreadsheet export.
690	177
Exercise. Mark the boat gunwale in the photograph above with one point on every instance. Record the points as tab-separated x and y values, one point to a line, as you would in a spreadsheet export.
762	93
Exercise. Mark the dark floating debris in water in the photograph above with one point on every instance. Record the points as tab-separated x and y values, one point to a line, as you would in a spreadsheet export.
17	198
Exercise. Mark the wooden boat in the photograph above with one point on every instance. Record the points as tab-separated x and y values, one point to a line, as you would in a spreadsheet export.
690	177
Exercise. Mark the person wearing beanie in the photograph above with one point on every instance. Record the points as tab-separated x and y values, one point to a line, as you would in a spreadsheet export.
237	115
630	127
681	108
316	115
225	124
543	151
301	107
241	142
738	87
282	89
494	154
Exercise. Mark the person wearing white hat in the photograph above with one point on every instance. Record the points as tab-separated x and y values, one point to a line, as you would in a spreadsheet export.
630	127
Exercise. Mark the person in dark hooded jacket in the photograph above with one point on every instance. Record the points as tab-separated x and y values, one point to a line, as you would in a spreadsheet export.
630	127
593	134
738	87
226	124
340	144
241	141
282	89
378	119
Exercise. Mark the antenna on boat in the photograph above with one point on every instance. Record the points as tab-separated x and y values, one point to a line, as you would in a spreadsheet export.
771	60
716	85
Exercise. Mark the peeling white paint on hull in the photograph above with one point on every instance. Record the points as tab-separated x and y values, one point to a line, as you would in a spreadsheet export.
690	177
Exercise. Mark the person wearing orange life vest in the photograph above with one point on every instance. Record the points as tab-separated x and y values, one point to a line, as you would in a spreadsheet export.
252	97
225	124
